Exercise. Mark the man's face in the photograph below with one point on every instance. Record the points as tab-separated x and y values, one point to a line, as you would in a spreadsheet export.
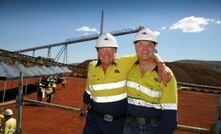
106	55
145	50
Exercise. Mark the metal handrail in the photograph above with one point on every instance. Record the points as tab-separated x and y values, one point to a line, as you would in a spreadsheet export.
72	109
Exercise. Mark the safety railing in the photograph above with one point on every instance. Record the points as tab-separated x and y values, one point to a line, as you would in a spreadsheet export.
72	109
20	101
199	88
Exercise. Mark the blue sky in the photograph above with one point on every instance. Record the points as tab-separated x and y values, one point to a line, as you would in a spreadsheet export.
186	29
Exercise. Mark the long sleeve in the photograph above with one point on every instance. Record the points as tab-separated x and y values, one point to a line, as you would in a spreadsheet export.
168	118
168	122
86	97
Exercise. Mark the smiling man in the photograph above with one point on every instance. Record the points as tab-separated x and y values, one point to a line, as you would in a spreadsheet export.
152	106
105	97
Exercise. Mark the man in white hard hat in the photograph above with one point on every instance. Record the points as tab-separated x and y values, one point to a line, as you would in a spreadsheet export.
48	92
152	106
105	93
9	124
40	92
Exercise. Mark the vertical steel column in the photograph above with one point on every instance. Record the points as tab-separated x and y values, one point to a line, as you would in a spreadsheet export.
218	120
65	59
102	21
19	105
33	53
49	52
3	99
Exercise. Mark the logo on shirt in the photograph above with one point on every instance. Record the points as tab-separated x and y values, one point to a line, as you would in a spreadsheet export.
156	79
94	77
116	71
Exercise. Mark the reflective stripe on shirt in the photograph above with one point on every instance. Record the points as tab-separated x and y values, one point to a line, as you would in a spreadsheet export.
119	84
170	106
88	91
144	89
112	98
137	102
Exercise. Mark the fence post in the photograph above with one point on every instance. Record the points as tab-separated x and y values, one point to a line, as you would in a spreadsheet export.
218	119
212	128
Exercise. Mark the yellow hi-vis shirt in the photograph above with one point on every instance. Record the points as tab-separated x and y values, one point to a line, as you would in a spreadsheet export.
54	85
147	91
109	87
9	126
48	90
2	119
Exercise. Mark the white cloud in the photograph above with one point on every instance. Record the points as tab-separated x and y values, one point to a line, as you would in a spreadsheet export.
156	33
193	24
86	30
163	28
215	21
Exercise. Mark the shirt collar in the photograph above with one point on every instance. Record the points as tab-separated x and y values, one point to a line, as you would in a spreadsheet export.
99	63
155	69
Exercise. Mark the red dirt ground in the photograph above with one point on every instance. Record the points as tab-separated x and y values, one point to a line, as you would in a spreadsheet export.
195	109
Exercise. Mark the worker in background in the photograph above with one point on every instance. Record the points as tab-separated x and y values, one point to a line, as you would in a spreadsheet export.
48	92
63	82
40	92
9	124
2	119
152	106
105	97
54	85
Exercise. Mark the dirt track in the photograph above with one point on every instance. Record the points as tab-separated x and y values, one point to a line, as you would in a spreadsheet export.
195	109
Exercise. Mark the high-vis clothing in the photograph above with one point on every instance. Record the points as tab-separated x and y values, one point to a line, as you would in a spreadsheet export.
106	93
49	92
2	119
150	99
10	126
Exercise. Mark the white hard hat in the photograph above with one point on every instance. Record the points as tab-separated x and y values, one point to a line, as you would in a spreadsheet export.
145	34
8	112
106	40
40	84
